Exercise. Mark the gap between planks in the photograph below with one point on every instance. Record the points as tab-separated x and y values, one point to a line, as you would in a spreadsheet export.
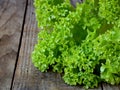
20	41
11	18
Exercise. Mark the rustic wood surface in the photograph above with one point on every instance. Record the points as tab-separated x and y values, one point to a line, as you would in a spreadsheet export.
11	20
110	87
17	18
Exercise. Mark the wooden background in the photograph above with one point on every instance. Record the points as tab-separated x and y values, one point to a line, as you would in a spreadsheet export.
18	35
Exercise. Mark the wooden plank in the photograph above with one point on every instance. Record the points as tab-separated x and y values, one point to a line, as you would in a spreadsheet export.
111	87
11	19
27	77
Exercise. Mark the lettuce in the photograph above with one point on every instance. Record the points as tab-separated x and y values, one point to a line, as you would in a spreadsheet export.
82	43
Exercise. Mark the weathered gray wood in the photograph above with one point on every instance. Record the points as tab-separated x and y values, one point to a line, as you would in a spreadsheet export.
110	87
27	77
11	19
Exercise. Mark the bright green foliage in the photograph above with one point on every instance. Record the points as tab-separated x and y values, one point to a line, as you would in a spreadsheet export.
83	43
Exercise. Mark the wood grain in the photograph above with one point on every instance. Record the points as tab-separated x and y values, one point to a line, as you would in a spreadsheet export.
110	87
11	19
27	77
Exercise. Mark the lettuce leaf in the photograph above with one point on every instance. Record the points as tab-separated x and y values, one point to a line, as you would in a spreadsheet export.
82	43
